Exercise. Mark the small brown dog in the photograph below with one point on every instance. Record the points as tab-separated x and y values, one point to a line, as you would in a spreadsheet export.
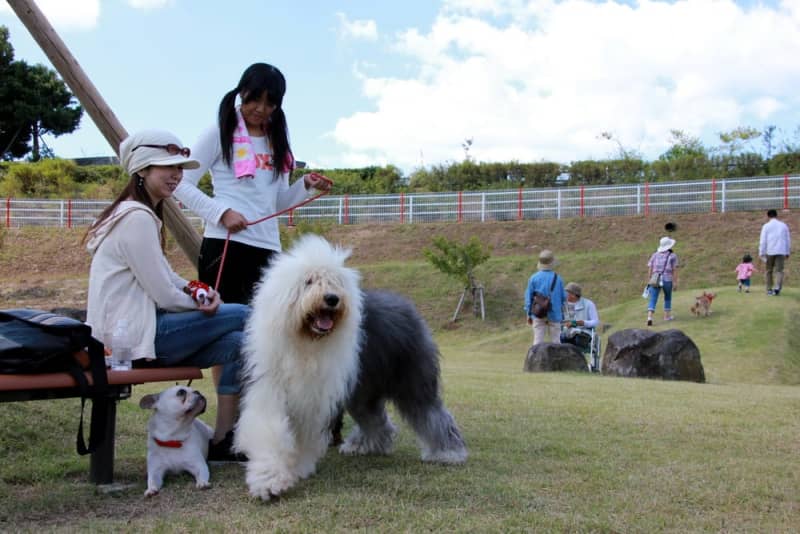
702	304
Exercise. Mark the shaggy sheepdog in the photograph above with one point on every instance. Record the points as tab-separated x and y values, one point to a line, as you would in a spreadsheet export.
315	343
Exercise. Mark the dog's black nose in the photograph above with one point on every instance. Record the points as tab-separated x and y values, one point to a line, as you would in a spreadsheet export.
331	299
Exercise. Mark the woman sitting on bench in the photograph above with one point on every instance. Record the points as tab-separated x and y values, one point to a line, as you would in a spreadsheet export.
170	322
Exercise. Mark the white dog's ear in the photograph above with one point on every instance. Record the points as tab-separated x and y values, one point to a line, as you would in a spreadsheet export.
148	401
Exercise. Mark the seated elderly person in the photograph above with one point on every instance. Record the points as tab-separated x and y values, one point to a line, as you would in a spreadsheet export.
581	316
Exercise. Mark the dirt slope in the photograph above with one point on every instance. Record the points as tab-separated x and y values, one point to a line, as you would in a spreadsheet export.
47	267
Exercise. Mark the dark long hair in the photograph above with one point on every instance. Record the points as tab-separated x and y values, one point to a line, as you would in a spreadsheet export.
135	190
257	79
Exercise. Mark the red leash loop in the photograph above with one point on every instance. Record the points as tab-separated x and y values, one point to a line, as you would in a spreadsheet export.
276	214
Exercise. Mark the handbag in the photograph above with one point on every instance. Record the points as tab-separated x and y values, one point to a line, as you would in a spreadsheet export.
34	341
646	292
655	278
541	303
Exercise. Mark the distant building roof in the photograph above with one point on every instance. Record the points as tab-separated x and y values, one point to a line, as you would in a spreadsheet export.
97	160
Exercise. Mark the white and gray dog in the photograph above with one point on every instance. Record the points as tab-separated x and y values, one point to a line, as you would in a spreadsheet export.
314	343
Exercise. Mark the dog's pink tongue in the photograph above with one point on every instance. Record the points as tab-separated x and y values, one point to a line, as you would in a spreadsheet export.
324	322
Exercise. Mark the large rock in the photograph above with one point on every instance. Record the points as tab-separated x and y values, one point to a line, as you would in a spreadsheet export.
555	357
670	355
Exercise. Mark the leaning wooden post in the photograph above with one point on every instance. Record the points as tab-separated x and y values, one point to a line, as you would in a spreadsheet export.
83	88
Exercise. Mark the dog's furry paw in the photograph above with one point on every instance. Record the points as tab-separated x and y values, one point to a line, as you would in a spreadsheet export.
149	492
269	483
202	484
381	441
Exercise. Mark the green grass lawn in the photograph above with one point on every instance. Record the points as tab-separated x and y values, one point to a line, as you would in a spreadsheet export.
556	452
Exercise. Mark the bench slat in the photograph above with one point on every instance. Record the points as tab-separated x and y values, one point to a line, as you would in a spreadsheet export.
64	380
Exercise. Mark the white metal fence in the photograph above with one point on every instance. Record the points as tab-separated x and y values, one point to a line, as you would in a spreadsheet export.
737	194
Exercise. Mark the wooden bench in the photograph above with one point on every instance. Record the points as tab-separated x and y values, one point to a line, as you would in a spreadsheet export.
14	388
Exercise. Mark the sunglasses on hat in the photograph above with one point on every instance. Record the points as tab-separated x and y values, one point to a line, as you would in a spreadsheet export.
172	148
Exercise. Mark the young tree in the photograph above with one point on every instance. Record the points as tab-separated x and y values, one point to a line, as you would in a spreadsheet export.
459	262
737	139
768	138
683	145
466	145
622	151
34	101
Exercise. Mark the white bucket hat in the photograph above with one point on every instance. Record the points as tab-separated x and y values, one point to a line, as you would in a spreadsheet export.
153	147
665	244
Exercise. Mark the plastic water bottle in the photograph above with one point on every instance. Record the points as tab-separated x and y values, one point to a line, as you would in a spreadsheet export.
121	347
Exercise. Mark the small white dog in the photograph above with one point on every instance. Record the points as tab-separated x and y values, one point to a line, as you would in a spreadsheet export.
176	440
301	362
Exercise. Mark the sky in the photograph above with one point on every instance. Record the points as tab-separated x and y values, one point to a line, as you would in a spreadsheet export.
408	82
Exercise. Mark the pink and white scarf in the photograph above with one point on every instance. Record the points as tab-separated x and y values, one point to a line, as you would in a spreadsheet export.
245	161
244	157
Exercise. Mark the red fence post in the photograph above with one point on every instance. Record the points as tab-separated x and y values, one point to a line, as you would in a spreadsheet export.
346	209
646	199
8	212
713	195
402	207
458	218
290	222
582	201
786	191
519	205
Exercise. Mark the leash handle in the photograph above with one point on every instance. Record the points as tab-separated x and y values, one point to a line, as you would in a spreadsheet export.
276	214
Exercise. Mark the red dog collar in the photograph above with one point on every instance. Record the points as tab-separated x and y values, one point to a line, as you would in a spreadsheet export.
172	444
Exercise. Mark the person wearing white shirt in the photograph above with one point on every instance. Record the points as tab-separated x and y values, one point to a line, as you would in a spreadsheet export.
581	313
248	154
579	321
130	279
774	247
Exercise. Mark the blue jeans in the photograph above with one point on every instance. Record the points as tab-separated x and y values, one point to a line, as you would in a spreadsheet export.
654	291
194	338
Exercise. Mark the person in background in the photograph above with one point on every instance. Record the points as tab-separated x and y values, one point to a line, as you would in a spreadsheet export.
541	283
581	313
743	273
130	279
665	262
774	247
248	154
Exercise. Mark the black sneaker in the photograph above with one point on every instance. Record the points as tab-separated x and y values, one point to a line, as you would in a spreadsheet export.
223	451
776	292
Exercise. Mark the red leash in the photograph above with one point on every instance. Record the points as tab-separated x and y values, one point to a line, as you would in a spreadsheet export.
250	223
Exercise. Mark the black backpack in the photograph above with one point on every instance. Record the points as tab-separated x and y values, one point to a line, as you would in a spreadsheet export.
35	341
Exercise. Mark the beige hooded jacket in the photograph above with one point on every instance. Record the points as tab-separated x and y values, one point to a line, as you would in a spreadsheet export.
130	277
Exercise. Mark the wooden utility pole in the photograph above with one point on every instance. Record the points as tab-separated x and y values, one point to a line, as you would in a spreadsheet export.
83	88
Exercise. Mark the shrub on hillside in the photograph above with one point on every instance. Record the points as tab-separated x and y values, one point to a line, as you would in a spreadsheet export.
785	163
51	178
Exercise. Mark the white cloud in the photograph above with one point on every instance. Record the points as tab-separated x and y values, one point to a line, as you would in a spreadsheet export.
72	15
357	29
150	4
541	79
